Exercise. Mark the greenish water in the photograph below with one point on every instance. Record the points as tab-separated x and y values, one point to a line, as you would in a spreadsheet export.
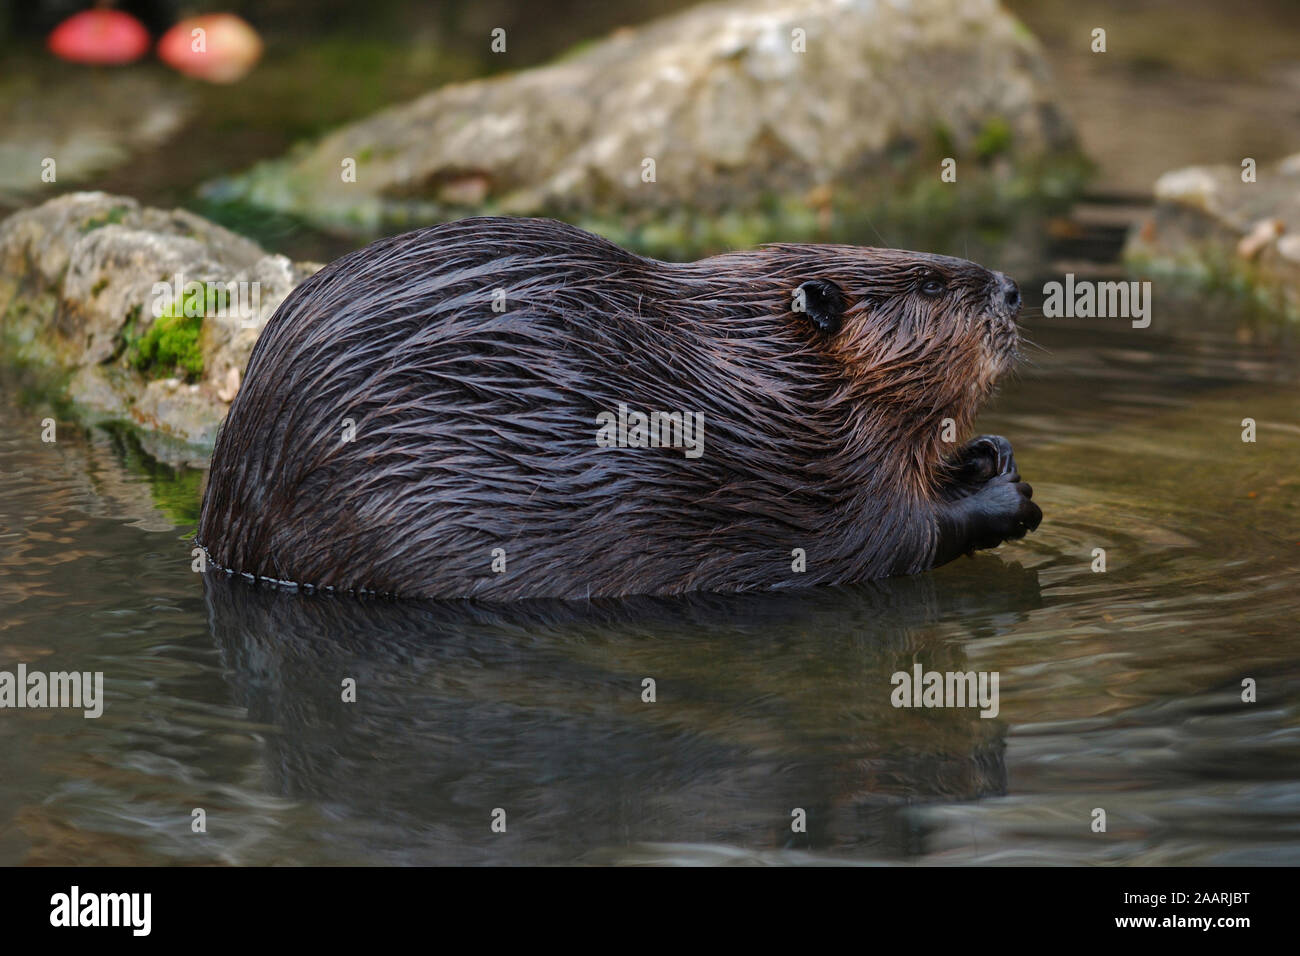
1118	690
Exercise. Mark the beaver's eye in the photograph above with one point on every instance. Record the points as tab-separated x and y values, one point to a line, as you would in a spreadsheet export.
932	285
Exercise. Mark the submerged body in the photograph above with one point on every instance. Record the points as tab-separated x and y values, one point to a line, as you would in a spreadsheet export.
438	415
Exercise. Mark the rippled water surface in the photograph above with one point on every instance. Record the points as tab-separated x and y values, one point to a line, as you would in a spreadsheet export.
1119	690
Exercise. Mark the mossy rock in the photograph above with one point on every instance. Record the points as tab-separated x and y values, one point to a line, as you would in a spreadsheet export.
173	343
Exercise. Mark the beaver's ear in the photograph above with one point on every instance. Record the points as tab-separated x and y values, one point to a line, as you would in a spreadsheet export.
822	301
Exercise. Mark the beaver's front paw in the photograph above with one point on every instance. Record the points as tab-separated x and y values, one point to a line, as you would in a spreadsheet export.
1001	511
976	463
985	516
984	458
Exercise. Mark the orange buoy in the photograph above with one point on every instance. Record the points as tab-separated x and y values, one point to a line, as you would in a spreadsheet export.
217	47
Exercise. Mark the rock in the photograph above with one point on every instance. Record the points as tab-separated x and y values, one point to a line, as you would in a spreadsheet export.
737	121
86	277
180	410
84	120
230	387
1211	226
1288	247
98	390
1259	236
111	271
40	241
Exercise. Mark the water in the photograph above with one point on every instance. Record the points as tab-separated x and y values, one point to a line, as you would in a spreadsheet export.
1118	690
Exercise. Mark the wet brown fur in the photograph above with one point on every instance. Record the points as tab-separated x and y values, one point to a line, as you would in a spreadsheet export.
476	429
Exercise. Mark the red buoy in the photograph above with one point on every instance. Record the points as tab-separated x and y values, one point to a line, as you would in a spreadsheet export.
99	36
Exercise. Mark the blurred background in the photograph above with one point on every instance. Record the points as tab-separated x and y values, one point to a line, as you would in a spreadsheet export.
1180	84
304	130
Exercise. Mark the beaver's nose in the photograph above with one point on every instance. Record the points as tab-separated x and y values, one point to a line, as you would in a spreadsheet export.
1007	292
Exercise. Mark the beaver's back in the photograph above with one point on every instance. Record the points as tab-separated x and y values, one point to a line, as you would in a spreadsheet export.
467	363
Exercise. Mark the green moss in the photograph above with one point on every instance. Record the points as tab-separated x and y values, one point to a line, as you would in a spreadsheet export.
173	343
994	138
944	145
889	208
1022	32
128	336
578	50
114	216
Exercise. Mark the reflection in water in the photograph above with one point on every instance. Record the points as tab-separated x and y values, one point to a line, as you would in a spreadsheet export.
765	703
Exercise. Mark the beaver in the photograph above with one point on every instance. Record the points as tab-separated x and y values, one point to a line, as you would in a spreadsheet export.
445	414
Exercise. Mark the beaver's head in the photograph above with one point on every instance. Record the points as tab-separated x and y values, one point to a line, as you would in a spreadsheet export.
928	335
